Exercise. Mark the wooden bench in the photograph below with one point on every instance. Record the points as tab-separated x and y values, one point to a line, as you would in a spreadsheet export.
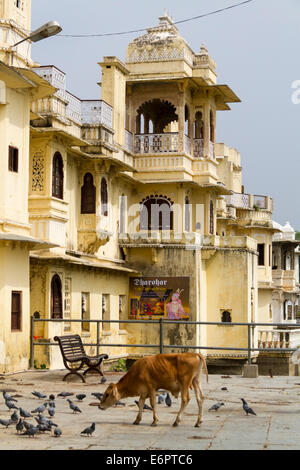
75	357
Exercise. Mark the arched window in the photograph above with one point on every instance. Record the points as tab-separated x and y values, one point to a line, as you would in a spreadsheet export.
187	215
104	197
198	126
88	195
122	213
212	126
211	218
186	121
156	213
226	317
56	297
57	176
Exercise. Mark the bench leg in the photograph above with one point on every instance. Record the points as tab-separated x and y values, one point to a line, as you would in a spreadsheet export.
74	373
96	369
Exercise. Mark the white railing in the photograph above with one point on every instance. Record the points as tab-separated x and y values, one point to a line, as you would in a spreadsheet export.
198	148
73	109
156	143
239	200
95	112
128	140
260	202
187	145
278	339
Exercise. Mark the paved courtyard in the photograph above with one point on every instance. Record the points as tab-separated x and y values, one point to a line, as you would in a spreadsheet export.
276	402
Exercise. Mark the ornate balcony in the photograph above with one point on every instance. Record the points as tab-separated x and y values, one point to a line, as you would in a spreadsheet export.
156	143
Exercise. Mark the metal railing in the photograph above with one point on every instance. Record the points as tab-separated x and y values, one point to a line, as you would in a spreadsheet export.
161	346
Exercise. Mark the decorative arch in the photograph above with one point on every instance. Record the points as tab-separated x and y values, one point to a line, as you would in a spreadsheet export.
56	297
104	197
57	176
159	112
199	126
226	316
88	195
156	213
211	218
187	214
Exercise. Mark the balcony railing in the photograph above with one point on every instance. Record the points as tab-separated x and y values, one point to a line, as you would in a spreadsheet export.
156	143
96	112
187	145
240	201
128	140
198	148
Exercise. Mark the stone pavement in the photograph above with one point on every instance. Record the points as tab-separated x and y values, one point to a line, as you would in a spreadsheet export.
276	402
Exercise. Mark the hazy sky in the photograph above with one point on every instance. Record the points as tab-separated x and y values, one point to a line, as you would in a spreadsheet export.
256	47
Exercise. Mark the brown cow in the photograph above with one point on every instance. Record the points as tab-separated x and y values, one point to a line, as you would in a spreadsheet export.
173	372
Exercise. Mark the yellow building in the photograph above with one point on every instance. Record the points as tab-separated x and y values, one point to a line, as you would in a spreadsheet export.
139	212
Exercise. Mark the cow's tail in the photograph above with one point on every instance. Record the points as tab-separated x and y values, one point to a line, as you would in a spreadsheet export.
203	360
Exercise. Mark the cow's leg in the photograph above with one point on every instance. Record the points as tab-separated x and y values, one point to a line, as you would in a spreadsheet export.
200	399
141	407
152	398
185	398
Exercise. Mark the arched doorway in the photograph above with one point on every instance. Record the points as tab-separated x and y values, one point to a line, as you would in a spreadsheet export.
56	297
156	213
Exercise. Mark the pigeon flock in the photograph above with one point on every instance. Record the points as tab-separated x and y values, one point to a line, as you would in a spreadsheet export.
43	423
18	418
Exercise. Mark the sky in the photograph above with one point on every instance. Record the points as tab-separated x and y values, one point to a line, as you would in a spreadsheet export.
256	48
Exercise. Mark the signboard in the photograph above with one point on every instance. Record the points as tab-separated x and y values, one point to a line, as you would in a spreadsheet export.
159	297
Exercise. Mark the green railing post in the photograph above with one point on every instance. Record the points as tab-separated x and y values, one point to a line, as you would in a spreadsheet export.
161	335
98	338
249	344
31	364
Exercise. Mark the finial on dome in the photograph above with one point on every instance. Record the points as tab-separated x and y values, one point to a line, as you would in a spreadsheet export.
203	49
167	18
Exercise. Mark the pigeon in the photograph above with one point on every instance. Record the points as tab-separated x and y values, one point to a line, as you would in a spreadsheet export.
40	409
57	432
14	417
89	431
32	431
73	406
65	394
51	411
247	408
103	380
168	400
120	403
98	395
24	414
39	395
51	397
6	422
80	396
43	420
161	398
51	404
43	427
224	389
10	405
146	407
8	397
216	406
20	426
27	425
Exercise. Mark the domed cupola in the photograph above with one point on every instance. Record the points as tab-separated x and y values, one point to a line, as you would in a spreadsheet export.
161	43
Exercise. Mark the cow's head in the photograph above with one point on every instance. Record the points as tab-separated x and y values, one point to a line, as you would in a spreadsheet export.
110	397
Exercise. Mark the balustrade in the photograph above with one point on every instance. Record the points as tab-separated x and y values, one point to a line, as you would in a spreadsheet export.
198	148
156	143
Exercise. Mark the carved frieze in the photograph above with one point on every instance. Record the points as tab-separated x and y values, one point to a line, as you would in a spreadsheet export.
38	172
